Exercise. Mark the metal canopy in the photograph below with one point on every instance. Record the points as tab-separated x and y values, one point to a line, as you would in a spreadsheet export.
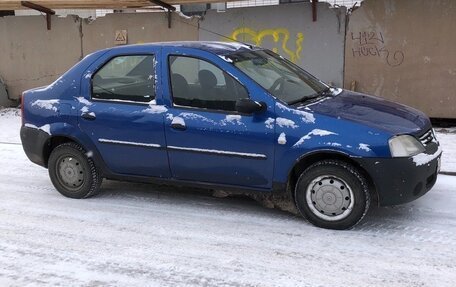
98	4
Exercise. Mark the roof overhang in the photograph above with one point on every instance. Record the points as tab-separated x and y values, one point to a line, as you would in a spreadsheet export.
98	4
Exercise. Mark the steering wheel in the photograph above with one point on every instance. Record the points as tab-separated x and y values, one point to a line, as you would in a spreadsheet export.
280	82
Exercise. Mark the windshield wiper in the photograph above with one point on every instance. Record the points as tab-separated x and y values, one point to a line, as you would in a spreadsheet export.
322	93
304	99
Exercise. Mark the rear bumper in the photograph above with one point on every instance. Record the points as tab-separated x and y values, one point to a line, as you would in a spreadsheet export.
401	180
33	141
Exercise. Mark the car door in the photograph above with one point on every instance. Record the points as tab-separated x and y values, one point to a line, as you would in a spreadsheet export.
207	140
120	111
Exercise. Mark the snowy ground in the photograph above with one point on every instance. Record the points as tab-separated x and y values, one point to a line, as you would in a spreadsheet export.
135	234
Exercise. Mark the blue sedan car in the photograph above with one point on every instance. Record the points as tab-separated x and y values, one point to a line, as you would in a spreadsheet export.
227	116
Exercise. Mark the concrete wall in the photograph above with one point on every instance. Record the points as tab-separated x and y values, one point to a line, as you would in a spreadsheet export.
288	29
404	50
141	28
31	56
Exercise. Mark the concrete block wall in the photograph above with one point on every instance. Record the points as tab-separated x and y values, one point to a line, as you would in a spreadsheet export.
31	56
404	50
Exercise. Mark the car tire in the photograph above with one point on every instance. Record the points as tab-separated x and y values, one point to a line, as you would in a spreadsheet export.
332	194
72	172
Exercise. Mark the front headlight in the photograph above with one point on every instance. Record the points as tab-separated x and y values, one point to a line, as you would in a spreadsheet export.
404	146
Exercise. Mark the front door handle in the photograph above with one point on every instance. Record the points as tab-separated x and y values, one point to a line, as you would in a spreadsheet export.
89	116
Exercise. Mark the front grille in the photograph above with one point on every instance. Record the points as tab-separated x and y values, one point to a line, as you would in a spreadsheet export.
427	137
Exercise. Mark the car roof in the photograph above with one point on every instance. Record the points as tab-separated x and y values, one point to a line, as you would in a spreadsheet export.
219	48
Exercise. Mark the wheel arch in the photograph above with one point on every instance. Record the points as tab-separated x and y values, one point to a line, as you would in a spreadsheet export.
306	160
56	140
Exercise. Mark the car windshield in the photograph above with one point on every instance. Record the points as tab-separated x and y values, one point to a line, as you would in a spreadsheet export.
280	77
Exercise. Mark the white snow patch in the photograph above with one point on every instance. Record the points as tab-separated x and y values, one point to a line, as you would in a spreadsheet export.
364	147
305	116
269	123
84	101
334	144
282	139
46	128
185	16
232	119
84	109
314	132
447	139
226	59
178	121
155	109
192	116
282	122
89	154
336	91
423	158
46	104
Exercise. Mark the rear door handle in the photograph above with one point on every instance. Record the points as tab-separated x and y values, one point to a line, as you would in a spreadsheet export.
178	126
178	123
88	116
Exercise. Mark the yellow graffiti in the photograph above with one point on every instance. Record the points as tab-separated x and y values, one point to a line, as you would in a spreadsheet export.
279	34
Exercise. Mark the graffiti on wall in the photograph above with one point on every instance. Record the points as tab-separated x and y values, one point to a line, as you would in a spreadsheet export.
280	36
372	44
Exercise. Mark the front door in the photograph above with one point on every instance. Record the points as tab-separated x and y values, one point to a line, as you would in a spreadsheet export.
207	140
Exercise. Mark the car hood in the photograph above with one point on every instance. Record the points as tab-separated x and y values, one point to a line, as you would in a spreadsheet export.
373	111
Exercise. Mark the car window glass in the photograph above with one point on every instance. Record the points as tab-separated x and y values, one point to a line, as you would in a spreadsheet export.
129	78
198	83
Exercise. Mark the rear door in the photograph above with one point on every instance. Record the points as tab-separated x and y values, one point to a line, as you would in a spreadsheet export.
208	141
121	112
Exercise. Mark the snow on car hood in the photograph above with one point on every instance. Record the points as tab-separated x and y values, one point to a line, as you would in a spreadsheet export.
372	111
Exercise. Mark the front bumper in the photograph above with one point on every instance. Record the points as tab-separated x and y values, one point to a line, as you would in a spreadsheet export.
401	180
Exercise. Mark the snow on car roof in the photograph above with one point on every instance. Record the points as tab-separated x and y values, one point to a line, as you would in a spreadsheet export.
215	47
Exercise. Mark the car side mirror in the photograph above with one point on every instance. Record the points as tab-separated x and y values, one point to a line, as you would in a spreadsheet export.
248	106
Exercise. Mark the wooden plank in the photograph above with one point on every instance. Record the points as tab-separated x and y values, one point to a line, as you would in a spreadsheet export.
99	4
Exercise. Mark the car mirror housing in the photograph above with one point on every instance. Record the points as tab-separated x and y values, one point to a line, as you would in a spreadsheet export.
248	106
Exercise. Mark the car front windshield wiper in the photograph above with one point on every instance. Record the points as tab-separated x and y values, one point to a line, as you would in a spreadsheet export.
322	93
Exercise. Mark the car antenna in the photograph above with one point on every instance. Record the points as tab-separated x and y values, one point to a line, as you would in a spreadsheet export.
251	46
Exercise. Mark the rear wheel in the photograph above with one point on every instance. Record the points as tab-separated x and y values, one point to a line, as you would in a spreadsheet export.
332	194
72	173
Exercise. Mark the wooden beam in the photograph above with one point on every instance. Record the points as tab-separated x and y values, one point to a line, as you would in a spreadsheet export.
163	4
314	10
37	7
40	8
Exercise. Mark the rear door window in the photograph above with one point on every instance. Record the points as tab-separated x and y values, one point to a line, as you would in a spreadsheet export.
126	78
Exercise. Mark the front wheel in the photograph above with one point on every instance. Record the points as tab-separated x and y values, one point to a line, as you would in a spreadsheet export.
72	172
332	194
